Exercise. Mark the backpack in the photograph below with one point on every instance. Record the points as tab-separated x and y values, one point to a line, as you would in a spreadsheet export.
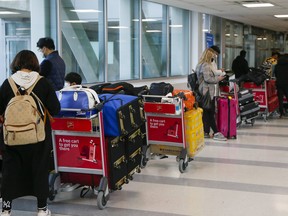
23	123
193	81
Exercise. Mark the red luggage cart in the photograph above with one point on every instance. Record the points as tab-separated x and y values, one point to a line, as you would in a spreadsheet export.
266	95
165	129
79	155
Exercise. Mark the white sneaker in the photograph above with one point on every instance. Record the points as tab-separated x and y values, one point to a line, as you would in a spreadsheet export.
44	213
6	213
219	136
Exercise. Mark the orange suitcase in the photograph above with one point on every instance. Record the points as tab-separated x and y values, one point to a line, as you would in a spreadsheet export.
189	99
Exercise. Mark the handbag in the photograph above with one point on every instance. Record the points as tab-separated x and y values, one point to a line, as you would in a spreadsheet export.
204	101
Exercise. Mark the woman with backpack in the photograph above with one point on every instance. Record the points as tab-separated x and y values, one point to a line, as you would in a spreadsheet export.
26	165
207	80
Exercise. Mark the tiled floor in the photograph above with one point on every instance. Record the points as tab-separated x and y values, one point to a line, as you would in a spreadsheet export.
247	176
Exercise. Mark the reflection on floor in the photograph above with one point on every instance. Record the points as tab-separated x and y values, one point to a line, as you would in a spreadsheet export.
246	176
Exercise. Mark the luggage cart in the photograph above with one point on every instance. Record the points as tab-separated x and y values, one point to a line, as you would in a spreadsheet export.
266	95
165	130
79	156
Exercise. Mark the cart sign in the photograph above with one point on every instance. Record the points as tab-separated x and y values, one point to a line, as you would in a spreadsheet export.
259	96
165	129
78	151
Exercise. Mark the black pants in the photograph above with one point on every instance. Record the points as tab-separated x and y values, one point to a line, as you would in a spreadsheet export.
281	91
208	118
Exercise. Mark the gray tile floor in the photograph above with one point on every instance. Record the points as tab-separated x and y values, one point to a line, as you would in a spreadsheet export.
246	176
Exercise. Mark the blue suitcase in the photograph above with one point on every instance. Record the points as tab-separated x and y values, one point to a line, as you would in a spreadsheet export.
77	101
121	114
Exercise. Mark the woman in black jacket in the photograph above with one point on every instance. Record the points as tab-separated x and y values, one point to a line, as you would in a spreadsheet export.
281	74
25	167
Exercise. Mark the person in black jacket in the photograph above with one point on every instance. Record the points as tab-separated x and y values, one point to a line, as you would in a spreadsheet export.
281	74
240	67
53	66
25	168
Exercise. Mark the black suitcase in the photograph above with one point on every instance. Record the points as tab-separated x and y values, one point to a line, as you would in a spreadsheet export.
117	162
245	96
249	111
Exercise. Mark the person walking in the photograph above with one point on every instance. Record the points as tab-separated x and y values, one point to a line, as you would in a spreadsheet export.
281	74
207	80
53	66
25	167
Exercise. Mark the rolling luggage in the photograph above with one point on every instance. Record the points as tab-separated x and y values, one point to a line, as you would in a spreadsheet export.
121	114
249	111
227	117
245	96
77	101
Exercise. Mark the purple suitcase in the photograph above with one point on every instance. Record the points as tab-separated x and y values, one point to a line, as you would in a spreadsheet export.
227	117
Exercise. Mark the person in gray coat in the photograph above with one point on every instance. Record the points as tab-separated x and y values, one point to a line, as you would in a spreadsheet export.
207	80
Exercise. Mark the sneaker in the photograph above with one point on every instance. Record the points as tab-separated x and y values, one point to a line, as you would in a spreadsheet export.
6	213
44	213
207	135
219	136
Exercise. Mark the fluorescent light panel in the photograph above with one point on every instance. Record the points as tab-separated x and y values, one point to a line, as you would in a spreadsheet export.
256	5
282	16
85	11
8	12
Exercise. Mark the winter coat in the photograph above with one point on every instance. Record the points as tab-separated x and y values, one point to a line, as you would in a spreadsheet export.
281	71
240	66
25	167
206	79
53	68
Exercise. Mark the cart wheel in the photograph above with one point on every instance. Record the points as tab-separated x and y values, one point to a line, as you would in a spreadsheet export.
53	178
182	165
252	121
143	161
101	201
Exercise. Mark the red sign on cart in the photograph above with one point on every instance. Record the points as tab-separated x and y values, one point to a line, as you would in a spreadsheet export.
78	151
165	129
259	96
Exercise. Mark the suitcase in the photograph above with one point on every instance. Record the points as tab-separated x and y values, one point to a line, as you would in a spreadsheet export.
117	162
77	101
188	98
227	117
121	114
245	96
249	111
194	131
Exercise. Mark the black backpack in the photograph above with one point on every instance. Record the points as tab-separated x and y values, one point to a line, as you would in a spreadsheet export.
193	81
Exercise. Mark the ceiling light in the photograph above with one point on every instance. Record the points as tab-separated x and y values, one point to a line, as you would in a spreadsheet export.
85	11
282	16
255	5
75	21
8	12
176	26
118	27
153	31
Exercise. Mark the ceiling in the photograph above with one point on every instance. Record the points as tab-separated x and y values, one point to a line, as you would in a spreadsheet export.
233	10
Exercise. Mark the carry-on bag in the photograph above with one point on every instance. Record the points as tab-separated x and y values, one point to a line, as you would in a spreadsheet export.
245	96
188	98
249	111
161	88
227	116
121	114
77	101
119	86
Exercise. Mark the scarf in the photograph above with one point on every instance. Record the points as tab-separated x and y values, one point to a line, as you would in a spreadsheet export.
25	79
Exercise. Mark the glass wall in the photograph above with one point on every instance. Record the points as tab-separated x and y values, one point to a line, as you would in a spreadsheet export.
112	40
80	22
154	40
178	41
123	40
